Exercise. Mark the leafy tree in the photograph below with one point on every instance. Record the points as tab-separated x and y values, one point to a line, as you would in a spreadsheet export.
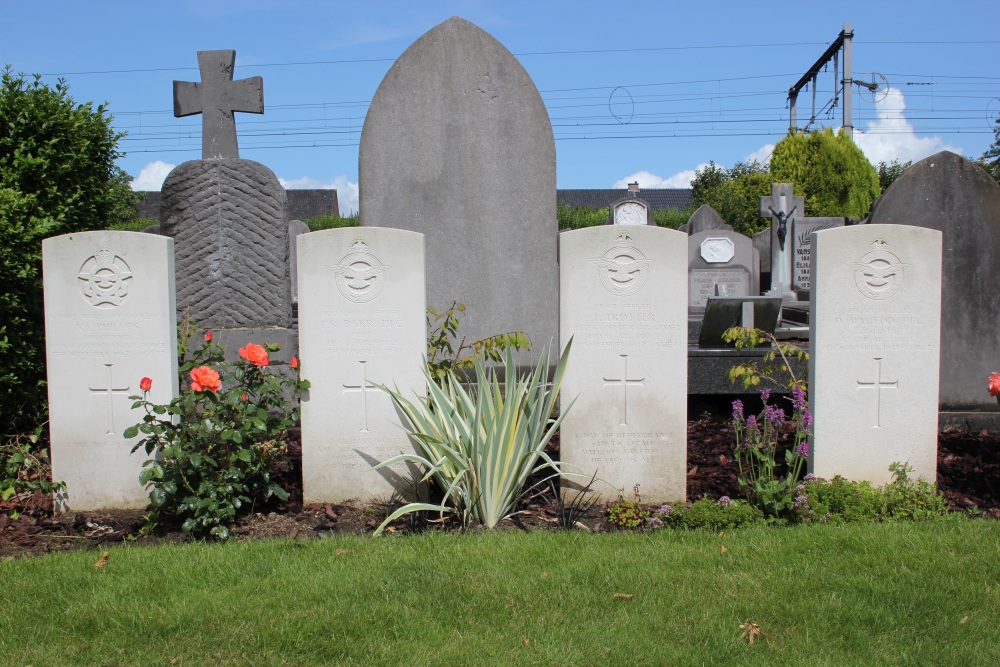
990	160
734	193
835	177
57	175
889	172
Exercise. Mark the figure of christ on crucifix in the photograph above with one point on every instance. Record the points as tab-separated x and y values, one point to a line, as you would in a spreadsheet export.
783	207
216	98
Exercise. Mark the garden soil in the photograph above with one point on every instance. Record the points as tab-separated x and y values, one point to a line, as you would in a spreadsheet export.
968	476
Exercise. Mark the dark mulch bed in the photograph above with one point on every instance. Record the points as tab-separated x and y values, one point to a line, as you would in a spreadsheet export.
968	475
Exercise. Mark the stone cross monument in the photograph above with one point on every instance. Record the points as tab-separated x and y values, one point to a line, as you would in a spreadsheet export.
783	207
216	98
228	219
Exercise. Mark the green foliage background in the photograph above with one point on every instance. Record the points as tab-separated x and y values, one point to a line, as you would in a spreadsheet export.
990	160
734	193
835	177
57	175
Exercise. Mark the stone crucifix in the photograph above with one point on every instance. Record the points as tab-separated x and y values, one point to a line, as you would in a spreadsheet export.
783	207
216	98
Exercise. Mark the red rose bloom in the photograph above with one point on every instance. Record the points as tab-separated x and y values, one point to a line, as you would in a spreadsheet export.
208	336
294	362
146	384
255	354
203	378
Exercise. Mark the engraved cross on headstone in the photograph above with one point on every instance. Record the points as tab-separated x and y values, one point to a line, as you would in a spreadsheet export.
625	382
364	388
216	98
782	202
878	385
110	391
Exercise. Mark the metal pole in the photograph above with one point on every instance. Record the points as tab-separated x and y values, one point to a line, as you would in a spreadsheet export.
848	35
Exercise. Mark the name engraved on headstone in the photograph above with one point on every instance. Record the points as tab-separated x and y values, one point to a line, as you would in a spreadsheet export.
95	332
702	282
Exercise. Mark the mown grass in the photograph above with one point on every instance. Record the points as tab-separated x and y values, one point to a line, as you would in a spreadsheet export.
891	594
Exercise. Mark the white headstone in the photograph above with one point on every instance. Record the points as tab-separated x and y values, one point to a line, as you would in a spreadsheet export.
623	299
362	322
875	336
110	320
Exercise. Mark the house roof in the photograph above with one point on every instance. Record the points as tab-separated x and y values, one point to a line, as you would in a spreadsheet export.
657	198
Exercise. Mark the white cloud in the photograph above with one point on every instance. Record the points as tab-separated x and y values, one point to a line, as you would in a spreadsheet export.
347	192
891	137
151	176
762	154
681	179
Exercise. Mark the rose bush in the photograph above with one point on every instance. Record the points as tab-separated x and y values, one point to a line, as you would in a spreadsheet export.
255	354
203	378
212	449
994	385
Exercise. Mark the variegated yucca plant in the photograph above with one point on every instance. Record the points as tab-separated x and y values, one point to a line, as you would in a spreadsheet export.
481	445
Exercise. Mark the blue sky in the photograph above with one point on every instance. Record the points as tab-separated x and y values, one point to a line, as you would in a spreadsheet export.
635	90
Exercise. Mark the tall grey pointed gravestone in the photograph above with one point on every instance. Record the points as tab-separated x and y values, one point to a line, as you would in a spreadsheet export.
955	196
228	219
109	322
458	145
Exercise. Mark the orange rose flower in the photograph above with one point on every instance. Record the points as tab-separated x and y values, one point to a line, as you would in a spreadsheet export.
995	384
203	378
255	354
146	384
294	362
208	336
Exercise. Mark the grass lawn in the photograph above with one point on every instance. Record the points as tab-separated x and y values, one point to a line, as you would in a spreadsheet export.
894	594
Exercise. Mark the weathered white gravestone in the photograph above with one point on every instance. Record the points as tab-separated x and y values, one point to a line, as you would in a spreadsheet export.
109	322
623	299
875	334
362	312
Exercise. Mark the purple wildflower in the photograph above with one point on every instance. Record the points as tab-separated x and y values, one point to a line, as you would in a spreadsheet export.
724	501
802	450
655	522
738	410
798	398
774	414
807	418
665	510
751	422
800	489
809	478
765	394
800	501
825	517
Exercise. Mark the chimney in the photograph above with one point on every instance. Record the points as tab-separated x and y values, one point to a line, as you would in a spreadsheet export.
633	187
